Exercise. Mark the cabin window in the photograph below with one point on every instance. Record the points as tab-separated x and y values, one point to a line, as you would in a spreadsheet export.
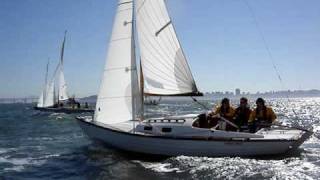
148	128
166	130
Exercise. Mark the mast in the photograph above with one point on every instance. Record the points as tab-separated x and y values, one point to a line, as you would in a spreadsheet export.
133	67
46	82
119	86
141	93
137	104
58	95
62	48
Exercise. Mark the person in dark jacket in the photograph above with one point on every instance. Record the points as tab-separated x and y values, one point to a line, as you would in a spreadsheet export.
242	114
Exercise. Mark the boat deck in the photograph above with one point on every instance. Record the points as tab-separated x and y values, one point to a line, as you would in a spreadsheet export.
280	133
182	128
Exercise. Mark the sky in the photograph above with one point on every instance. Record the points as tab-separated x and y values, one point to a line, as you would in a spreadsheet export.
223	45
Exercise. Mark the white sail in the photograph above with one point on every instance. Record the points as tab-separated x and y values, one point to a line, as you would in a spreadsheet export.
50	95
41	100
119	90
45	89
62	86
164	65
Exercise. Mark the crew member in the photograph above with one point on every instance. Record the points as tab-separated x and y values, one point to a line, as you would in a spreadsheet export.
261	117
242	114
224	111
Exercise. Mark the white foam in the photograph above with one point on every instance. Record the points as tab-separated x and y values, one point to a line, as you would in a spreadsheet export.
158	167
15	168
18	164
6	150
40	138
14	161
230	168
3	151
49	156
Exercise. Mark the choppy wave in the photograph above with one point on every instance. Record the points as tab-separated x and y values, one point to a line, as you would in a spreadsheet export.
237	168
18	164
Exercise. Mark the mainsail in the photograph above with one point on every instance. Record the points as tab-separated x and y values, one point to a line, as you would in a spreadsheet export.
118	99
62	86
41	100
164	65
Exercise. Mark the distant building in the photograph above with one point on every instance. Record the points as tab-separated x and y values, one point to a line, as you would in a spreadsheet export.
237	92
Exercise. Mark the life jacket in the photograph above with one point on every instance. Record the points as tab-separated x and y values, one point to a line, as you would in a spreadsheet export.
223	111
264	118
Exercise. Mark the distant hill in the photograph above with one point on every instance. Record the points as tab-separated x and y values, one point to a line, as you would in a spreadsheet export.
89	99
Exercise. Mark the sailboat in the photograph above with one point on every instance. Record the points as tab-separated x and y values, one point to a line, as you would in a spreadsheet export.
52	100
151	101
119	121
47	97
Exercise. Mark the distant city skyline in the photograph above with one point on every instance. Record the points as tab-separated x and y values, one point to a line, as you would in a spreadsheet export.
238	92
215	95
302	93
222	44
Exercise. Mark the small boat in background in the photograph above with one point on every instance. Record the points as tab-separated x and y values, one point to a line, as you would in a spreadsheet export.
54	97
67	110
150	101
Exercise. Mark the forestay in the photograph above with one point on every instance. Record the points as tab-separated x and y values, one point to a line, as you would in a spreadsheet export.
118	99
164	65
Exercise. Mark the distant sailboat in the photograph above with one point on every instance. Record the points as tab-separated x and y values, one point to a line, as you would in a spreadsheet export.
55	93
151	101
118	120
45	99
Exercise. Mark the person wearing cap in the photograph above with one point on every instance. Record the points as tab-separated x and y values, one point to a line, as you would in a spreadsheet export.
261	117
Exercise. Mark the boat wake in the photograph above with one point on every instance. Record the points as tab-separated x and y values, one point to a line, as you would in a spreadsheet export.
236	168
158	167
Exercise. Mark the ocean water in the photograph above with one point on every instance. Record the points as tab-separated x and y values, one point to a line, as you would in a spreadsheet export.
36	145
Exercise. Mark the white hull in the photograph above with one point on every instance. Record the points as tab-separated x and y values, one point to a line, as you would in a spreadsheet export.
168	146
